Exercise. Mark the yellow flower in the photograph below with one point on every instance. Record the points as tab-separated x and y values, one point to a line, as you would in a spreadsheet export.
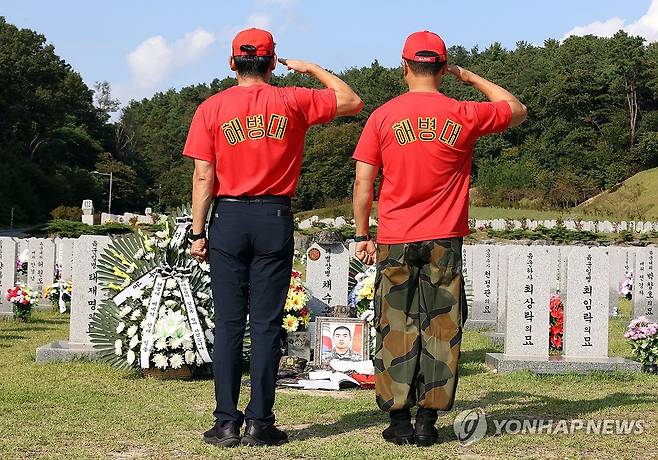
290	323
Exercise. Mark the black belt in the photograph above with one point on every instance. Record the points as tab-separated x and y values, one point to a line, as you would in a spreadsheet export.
263	199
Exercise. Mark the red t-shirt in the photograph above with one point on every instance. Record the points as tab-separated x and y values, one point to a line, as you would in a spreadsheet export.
424	142
255	136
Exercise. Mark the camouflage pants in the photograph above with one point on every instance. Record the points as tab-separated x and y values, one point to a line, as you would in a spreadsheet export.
419	312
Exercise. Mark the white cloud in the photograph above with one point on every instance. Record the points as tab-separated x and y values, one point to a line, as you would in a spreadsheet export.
646	26
259	21
154	58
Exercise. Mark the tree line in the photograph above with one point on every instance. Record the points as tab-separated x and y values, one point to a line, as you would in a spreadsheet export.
593	121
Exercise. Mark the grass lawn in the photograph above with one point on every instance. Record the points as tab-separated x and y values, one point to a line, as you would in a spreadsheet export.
86	410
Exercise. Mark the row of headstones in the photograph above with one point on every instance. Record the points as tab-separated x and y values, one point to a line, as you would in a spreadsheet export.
587	225
75	259
125	218
489	267
328	222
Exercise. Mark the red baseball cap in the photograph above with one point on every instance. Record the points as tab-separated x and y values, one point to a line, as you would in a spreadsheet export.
424	41
253	42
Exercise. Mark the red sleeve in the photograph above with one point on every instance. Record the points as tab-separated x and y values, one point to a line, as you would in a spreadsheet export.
315	106
368	149
493	117
200	143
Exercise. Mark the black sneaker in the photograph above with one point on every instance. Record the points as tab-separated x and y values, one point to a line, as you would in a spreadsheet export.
255	435
400	430
223	434
425	431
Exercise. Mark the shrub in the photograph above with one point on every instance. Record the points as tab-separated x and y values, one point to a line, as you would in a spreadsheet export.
73	213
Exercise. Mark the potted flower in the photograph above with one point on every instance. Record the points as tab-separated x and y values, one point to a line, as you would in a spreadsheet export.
626	286
22	262
643	336
297	317
556	319
362	299
59	295
23	299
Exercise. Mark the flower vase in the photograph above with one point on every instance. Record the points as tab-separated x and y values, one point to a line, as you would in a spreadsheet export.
299	344
182	373
22	314
650	368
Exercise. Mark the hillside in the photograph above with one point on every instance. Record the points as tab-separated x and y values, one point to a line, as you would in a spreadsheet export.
635	198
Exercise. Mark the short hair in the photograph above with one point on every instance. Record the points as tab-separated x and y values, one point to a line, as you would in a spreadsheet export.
343	327
252	66
427	69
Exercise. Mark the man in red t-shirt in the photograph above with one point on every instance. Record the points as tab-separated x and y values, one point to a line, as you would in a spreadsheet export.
423	142
247	144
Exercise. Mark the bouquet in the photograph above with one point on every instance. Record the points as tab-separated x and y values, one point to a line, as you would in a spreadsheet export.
23	299
643	336
556	319
59	295
362	298
22	262
626	286
297	315
160	312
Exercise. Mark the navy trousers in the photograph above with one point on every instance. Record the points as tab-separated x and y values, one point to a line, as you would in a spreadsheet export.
251	251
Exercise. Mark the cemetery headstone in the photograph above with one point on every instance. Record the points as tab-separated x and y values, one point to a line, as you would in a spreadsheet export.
484	311
41	267
644	302
86	298
327	271
64	257
622	261
88	212
7	274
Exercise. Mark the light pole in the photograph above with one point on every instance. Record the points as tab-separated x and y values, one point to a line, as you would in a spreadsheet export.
109	205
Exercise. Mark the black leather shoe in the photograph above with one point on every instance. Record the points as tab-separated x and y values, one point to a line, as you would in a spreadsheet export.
400	430
223	434
425	431
255	435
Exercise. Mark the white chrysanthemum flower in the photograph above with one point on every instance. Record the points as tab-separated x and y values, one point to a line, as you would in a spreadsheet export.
139	254
132	330
205	279
133	341
209	323
187	344
176	361
160	360
189	357
130	357
161	234
161	344
210	336
124	311
171	284
166	293
171	303
176	293
142	325
202	310
120	327
202	296
368	315
162	244
149	256
118	344
145	302
205	266
136	314
137	294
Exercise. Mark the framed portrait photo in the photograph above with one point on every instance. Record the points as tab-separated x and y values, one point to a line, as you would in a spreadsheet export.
341	338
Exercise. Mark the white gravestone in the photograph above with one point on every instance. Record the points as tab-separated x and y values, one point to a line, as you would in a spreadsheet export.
7	274
86	298
41	268
528	290
327	273
503	268
587	312
64	257
622	261
467	261
88	212
644	302
484	311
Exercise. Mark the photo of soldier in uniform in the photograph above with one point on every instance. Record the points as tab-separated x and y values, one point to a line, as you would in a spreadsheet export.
341	338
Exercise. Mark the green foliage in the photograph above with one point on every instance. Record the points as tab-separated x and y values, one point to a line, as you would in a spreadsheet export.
73	213
72	229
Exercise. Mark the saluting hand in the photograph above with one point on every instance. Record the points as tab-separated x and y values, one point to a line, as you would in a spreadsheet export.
366	252
459	72
297	65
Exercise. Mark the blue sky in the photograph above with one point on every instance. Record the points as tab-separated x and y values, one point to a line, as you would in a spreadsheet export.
144	46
